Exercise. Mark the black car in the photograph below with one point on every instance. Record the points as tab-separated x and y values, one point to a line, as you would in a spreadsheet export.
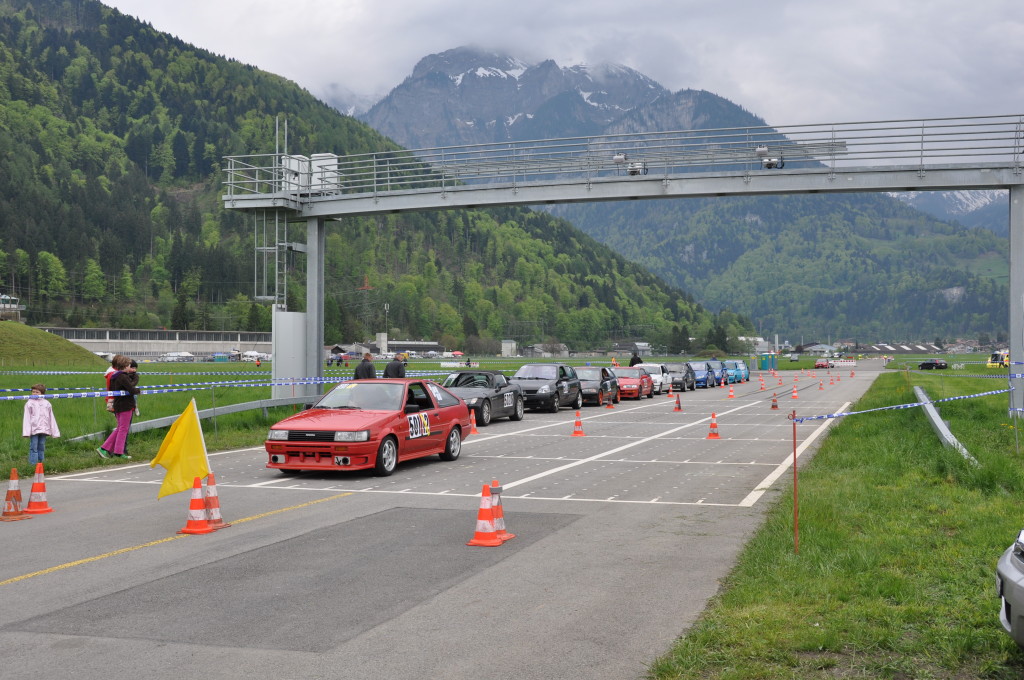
488	393
549	386
929	364
683	377
598	384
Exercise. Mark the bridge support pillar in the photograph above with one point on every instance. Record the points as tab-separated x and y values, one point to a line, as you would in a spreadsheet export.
316	242
1016	299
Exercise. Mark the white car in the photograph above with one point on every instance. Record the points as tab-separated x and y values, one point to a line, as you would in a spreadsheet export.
1010	589
660	376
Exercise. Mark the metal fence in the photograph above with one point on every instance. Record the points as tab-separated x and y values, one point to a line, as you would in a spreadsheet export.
975	141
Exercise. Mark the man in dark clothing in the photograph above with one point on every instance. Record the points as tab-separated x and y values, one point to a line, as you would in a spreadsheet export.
395	368
636	359
365	369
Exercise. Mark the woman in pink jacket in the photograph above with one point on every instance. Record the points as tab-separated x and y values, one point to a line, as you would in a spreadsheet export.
38	423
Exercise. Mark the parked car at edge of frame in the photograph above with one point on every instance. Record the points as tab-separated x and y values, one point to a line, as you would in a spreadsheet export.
549	386
1010	589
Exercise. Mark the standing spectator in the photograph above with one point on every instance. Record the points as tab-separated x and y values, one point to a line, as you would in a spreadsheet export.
395	368
124	379
635	359
38	423
106	377
365	369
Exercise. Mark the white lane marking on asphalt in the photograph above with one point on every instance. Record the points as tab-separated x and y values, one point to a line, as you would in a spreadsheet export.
766	483
615	450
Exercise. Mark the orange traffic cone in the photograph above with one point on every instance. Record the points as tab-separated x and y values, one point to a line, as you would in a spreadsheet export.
762	384
212	502
795	395
472	422
12	504
577	427
679	407
498	512
821	384
831	380
196	523
37	496
780	381
851	374
775	402
732	395
670	390
611	399
713	434
486	535
722	384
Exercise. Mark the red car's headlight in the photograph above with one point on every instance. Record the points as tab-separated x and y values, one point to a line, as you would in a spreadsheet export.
360	436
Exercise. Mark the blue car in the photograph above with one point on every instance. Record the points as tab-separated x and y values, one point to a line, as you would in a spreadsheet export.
718	369
738	371
702	376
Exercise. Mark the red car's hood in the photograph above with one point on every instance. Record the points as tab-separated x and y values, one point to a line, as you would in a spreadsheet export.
335	419
629	381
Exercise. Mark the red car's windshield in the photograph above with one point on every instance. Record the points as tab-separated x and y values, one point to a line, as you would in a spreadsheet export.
368	396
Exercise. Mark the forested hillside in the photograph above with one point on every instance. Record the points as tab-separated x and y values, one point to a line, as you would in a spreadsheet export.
111	136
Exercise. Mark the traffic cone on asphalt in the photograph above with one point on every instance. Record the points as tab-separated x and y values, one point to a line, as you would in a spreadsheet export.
775	402
196	523
37	496
732	395
486	535
713	434
12	503
679	406
611	399
212	502
831	380
498	512
821	384
780	381
472	422
851	374
670	390
577	427
795	395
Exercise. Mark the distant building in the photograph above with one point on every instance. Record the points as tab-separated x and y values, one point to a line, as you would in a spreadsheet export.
642	349
509	348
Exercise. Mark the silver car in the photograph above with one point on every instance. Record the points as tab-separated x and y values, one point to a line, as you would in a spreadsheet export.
1010	588
659	374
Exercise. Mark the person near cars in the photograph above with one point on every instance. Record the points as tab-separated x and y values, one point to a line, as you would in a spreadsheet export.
365	369
635	359
395	368
124	379
38	423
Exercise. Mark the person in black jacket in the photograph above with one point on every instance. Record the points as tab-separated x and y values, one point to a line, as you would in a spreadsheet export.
124	379
395	368
636	359
365	369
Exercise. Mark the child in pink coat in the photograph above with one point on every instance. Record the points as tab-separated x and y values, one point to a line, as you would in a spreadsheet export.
38	423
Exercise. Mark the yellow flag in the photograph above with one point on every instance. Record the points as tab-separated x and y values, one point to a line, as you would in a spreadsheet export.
183	453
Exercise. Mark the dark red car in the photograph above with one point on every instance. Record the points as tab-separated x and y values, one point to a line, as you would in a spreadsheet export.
370	424
634	383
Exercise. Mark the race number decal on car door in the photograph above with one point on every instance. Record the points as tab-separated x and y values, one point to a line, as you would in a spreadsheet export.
419	425
509	399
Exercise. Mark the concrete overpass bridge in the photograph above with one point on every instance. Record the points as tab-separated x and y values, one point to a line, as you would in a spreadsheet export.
876	156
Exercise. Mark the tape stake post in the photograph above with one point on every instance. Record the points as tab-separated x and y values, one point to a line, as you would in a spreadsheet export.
796	505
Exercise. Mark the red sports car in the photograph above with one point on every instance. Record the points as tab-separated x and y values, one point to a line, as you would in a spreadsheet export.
363	424
634	383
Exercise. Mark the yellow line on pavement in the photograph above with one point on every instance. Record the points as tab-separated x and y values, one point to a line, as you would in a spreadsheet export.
121	551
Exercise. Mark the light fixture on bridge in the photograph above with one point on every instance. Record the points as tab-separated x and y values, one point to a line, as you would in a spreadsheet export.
767	161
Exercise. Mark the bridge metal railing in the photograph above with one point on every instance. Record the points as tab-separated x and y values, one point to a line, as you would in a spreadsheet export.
983	140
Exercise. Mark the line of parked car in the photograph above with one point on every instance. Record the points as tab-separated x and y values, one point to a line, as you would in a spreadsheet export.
375	424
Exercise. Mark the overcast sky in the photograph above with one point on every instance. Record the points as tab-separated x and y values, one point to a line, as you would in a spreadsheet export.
788	61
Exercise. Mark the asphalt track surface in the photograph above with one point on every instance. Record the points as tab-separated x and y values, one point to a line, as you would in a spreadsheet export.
622	535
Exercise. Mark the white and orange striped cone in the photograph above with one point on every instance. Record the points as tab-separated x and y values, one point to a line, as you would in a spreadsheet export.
851	374
472	422
722	384
775	402
821	384
577	427
212	502
713	434
679	406
732	395
196	523
486	535
831	380
795	395
762	384
669	390
37	504
780	381
611	400
12	503
838	377
498	512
